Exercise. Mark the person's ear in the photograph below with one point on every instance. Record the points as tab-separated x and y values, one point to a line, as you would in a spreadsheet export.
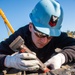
30	27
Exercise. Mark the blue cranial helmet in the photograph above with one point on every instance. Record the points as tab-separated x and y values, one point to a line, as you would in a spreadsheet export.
47	17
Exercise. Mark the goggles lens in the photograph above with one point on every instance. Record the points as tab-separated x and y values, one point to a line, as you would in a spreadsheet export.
40	34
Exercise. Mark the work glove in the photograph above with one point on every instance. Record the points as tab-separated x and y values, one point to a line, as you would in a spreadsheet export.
56	61
22	61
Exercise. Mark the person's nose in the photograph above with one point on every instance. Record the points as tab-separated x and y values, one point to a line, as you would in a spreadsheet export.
44	40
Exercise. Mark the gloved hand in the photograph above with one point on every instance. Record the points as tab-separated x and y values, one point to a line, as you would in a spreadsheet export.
22	61
56	61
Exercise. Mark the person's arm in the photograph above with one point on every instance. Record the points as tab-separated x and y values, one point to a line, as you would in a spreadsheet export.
68	48
4	46
2	58
67	54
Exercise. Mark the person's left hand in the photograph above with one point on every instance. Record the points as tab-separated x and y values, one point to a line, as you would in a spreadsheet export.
56	61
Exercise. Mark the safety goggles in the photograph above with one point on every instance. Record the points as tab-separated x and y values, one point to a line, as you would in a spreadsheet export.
40	34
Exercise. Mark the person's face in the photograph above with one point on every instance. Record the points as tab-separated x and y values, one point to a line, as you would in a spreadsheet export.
38	38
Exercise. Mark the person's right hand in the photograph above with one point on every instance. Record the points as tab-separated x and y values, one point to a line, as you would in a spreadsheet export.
22	61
